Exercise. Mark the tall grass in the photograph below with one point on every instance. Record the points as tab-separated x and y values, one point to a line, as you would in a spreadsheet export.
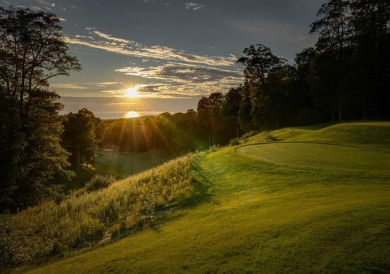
87	218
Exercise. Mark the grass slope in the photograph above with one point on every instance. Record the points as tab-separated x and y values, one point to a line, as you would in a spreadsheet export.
259	216
370	134
319	156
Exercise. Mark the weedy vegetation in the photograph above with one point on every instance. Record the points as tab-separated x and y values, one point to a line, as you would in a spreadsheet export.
98	213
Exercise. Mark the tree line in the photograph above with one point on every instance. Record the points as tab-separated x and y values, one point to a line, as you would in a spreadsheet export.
344	76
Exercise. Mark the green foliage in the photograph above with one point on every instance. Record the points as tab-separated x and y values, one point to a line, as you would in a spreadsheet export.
83	132
87	218
99	181
235	142
259	61
32	51
263	137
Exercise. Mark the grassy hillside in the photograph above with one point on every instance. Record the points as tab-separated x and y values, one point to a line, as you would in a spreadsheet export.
269	214
86	218
370	134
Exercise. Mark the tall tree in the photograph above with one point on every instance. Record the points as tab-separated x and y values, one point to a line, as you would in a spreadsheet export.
32	51
244	114
259	61
335	37
230	110
371	62
82	134
209	117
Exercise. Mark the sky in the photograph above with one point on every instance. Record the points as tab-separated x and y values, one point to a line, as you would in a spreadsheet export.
144	57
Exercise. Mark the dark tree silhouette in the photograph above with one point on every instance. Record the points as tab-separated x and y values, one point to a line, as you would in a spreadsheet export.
259	61
82	134
32	51
230	110
335	39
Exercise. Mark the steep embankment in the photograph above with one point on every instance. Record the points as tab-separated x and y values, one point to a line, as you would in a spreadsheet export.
261	216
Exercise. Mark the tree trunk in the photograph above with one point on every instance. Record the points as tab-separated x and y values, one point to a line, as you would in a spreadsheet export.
340	111
364	111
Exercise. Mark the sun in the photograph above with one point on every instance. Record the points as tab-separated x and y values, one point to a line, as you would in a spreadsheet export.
132	114
132	92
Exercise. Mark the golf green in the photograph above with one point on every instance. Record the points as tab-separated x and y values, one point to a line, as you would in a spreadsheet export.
325	156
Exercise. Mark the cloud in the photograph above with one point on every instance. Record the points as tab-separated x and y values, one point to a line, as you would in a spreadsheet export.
150	88
106	42
109	37
194	6
67	86
184	79
104	84
182	73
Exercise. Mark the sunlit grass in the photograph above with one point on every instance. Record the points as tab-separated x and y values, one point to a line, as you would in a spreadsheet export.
256	216
84	219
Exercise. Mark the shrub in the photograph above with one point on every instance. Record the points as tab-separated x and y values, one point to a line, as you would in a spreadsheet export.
234	142
98	182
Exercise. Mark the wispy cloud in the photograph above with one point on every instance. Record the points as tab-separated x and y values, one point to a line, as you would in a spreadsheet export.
184	79
68	86
109	37
104	84
109	43
194	6
182	73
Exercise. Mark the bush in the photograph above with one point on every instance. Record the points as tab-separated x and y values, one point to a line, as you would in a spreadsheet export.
98	182
234	142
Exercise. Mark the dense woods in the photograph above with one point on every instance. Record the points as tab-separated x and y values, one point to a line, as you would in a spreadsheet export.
345	76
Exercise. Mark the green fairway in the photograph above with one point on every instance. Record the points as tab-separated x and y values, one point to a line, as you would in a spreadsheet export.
265	211
318	156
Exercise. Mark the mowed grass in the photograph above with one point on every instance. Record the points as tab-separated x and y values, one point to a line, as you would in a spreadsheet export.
319	156
263	217
375	135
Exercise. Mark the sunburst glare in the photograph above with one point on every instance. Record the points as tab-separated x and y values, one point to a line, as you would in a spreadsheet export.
131	114
132	92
